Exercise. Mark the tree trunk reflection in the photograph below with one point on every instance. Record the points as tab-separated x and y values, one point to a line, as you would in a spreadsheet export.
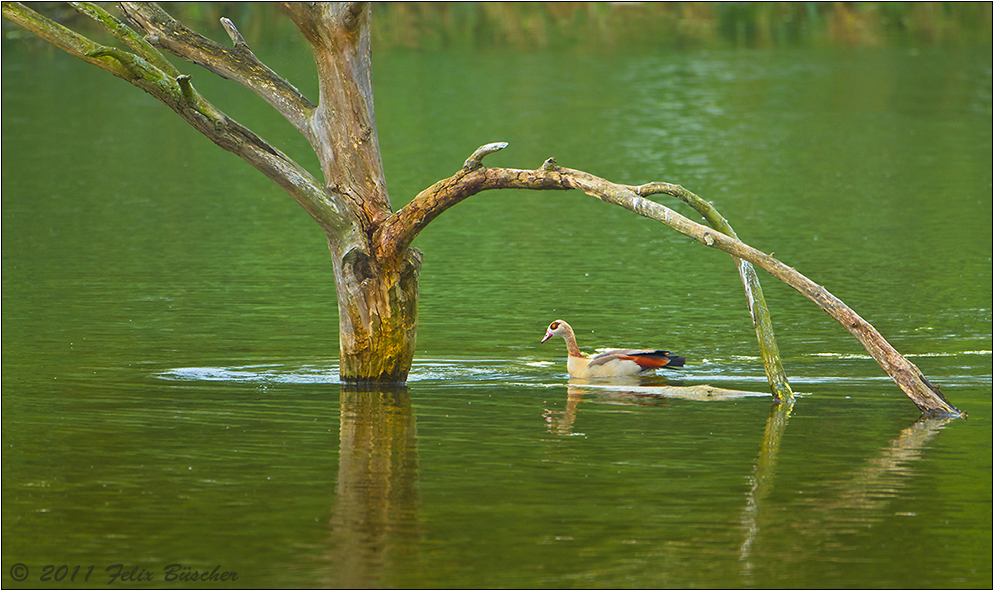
377	490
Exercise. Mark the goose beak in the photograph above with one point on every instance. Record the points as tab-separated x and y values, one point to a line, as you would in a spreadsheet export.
548	335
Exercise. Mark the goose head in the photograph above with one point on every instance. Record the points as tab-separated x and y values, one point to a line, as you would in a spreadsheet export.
558	328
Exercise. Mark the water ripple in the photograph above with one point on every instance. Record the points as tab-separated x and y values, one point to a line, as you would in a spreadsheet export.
527	371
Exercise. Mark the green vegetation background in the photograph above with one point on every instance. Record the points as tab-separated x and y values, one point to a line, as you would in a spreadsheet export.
617	25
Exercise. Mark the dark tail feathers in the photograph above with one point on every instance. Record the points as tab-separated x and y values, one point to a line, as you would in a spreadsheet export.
674	360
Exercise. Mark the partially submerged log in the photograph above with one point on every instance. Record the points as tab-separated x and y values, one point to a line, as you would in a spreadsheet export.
698	392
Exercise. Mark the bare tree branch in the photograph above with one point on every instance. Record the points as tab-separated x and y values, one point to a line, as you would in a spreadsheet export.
65	39
237	63
178	94
127	35
398	232
236	37
476	158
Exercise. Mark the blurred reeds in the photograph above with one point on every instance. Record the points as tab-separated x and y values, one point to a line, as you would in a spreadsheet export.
599	26
621	25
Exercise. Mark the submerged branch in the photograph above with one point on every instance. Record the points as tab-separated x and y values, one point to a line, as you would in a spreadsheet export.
925	395
775	374
400	229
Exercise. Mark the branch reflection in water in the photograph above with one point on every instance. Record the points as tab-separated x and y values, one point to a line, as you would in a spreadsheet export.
377	491
762	479
840	507
843	506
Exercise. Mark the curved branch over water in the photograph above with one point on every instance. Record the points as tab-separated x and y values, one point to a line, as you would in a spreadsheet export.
397	233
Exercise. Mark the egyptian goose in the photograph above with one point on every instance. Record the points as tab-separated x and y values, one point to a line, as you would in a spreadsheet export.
609	364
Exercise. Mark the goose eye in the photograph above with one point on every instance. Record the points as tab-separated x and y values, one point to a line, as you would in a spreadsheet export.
554	325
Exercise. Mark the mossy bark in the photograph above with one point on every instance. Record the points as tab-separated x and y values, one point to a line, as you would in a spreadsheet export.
378	315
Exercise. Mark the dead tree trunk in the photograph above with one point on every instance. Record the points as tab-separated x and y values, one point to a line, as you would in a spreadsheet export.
377	296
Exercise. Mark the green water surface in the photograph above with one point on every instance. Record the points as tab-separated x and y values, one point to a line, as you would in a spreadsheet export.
170	390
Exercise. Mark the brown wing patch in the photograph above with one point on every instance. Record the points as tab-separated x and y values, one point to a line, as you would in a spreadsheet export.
646	362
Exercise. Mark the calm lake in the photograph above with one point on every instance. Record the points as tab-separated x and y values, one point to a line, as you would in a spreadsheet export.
170	332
